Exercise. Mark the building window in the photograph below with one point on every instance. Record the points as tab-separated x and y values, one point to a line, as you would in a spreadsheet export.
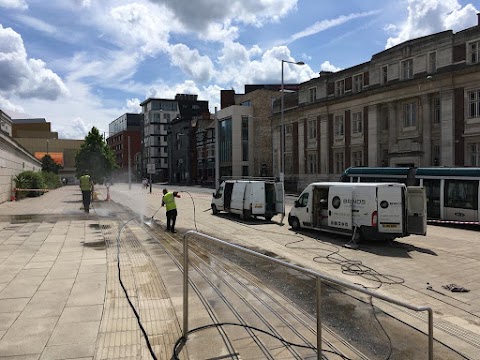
474	154
358	83
436	110
312	129
225	140
339	125
245	171
288	129
432	62
357	123
357	158
407	69
473	103
384	118
384	74
312	164
312	94
339	163
436	155
474	49
244	138
409	115
340	87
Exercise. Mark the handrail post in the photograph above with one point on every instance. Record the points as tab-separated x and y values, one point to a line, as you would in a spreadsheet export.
319	317
430	334
185	287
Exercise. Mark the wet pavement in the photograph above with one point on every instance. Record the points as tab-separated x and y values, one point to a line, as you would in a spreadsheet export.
63	295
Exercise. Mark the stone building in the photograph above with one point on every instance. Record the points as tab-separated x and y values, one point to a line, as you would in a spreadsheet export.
124	138
36	137
245	138
415	104
157	138
14	159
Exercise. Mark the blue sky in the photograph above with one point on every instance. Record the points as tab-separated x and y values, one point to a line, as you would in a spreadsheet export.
83	63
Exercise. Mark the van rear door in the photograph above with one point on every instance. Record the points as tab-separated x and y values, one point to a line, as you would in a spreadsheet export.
258	199
279	198
416	210
340	207
390	200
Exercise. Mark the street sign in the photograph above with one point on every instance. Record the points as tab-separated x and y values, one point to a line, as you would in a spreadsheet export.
150	168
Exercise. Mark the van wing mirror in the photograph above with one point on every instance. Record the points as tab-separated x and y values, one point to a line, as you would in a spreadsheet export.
296	204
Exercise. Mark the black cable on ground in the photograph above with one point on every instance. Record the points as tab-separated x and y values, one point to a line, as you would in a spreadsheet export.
182	341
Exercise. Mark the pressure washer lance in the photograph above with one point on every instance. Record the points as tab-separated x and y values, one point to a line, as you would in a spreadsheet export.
162	206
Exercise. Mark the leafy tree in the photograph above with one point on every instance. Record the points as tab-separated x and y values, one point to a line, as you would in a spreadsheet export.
49	165
95	157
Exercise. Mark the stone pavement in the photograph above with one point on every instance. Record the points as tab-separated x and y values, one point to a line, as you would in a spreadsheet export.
60	297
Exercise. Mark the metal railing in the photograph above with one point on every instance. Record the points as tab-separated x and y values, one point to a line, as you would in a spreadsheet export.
318	277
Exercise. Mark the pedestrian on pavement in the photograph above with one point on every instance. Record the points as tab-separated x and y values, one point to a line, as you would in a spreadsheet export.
86	185
168	200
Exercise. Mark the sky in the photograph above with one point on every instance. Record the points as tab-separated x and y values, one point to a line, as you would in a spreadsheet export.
84	63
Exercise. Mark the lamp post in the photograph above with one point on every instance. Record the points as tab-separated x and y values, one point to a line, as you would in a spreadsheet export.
282	123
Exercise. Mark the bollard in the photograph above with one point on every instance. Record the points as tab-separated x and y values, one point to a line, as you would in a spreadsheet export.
12	198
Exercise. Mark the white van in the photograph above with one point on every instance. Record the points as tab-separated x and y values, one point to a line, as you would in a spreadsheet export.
369	210
250	198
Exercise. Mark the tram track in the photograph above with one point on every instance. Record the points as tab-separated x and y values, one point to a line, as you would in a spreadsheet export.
175	252
243	286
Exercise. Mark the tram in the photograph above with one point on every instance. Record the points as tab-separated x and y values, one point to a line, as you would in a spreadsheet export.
452	192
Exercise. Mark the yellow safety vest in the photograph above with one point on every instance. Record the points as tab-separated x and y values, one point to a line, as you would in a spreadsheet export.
85	184
169	201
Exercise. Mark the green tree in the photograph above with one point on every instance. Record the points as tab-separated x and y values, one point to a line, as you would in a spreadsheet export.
48	164
95	157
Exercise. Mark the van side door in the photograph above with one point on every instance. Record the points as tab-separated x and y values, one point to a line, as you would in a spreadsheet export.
340	207
238	197
416	210
257	199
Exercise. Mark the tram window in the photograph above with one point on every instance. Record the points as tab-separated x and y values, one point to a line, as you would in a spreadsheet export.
462	194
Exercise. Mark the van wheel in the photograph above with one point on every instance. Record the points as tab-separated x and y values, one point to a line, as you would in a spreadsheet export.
295	223
214	210
268	218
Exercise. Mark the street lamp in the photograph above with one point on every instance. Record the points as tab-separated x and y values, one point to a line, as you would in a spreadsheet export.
282	123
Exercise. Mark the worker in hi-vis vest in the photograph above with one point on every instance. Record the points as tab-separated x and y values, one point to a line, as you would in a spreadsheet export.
168	200
86	185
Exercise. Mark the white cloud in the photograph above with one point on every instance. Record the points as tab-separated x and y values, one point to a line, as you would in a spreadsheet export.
140	27
426	17
133	106
327	24
14	4
36	24
205	12
327	66
9	107
22	76
191	62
